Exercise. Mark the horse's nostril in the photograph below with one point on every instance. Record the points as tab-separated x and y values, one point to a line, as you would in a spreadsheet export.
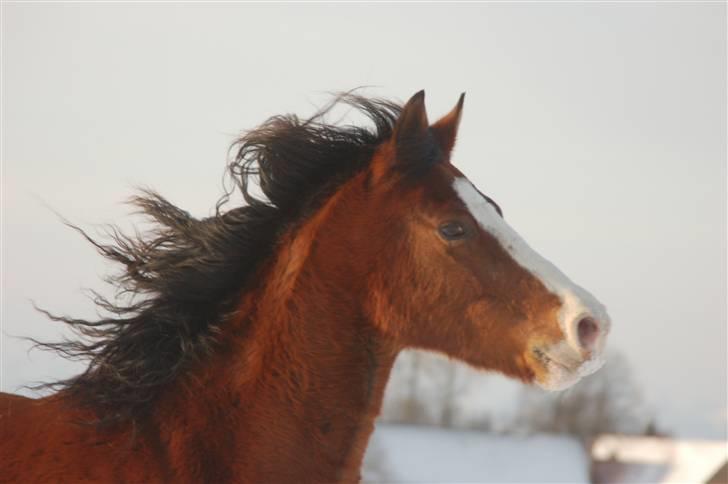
588	332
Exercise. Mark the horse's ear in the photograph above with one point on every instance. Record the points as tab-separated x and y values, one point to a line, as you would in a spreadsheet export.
412	124
412	140
417	145
445	130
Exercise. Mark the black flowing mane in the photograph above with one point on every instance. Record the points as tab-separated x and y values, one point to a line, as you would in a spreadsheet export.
182	279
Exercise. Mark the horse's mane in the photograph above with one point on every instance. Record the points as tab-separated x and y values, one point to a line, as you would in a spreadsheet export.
181	280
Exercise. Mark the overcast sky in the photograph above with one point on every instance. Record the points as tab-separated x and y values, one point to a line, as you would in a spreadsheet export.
599	128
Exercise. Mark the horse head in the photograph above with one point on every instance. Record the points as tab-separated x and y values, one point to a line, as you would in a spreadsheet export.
450	275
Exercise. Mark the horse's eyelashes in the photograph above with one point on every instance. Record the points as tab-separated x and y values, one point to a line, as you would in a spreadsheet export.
452	230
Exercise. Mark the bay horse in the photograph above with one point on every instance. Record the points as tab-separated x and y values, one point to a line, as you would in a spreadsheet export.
254	345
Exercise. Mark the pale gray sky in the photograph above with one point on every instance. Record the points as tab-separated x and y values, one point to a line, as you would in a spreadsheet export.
599	128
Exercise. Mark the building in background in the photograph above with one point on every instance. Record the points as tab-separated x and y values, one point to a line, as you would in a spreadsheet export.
445	422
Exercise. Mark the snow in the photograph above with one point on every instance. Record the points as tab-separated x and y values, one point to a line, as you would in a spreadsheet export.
400	453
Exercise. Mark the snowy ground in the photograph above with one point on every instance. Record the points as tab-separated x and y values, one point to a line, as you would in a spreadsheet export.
402	453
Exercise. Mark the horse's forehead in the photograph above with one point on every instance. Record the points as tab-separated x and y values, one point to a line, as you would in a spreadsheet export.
438	186
437	190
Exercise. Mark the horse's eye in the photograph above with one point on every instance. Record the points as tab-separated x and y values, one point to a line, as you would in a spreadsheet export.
452	231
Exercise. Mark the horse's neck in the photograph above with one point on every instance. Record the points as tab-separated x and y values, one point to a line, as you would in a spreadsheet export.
318	394
295	391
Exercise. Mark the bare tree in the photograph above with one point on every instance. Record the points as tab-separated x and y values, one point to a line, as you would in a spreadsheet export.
422	390
428	389
609	401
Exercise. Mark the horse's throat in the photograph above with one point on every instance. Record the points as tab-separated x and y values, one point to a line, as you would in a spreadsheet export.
317	389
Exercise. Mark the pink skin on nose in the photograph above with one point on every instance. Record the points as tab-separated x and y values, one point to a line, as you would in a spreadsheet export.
588	332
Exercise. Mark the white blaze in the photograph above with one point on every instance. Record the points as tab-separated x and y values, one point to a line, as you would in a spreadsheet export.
576	302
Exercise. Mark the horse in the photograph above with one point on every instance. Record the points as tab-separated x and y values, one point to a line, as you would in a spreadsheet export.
254	345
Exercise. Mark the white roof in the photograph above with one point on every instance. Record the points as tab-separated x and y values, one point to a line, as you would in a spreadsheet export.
655	459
